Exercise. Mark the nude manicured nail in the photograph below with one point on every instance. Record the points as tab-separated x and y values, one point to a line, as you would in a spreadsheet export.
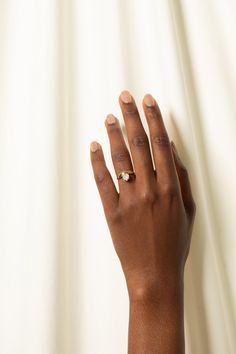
94	146
126	97
111	119
149	100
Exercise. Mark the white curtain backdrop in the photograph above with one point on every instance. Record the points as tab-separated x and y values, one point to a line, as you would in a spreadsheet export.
63	64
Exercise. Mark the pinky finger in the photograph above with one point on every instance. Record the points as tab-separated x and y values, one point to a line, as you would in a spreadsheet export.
182	172
103	179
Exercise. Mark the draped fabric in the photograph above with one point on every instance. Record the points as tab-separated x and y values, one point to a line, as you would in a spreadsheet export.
62	66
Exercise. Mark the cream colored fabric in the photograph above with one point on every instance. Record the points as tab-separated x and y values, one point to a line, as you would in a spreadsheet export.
62	66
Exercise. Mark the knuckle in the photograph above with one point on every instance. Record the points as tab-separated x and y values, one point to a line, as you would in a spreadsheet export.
130	203
131	111
169	190
147	197
115	215
120	156
161	140
128	206
153	114
101	178
140	140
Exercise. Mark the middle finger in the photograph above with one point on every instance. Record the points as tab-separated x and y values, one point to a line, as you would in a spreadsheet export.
137	138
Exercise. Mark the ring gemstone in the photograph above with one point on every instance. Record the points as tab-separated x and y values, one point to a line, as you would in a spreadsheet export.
125	176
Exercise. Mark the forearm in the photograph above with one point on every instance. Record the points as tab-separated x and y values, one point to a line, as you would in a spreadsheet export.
156	325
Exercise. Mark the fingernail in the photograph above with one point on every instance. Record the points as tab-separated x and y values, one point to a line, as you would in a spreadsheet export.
111	119
94	146
149	100
126	97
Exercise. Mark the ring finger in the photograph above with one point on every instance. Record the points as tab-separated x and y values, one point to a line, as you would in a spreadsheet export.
119	151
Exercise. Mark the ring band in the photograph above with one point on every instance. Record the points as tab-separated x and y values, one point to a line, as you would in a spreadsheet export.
125	175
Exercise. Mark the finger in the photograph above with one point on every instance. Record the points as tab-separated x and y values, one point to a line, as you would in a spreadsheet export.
119	151
103	179
137	138
162	154
184	182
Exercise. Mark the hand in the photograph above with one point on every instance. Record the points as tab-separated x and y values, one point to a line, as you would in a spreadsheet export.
150	221
151	218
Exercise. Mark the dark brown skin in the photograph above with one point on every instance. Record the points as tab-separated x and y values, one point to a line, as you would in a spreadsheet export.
150	221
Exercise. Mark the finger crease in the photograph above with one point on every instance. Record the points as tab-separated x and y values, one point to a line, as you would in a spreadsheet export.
152	114
120	156
131	113
162	140
140	140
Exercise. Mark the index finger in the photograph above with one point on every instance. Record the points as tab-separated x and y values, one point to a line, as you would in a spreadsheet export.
106	187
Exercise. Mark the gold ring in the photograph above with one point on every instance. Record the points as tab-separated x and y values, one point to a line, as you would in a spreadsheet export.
125	175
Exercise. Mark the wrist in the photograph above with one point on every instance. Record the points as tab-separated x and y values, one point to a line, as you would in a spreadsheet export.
157	319
159	293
